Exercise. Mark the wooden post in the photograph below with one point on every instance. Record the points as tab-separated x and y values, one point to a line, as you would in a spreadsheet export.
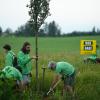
44	68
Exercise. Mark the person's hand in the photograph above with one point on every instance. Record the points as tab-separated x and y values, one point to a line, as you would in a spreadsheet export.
51	89
34	57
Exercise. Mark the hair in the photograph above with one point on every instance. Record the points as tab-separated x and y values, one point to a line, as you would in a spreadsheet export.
7	47
52	65
97	46
24	47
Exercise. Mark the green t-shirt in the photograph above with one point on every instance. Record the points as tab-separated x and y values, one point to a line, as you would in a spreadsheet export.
9	58
11	72
64	68
24	61
94	56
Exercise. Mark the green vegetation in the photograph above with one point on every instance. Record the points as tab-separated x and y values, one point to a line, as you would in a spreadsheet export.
87	84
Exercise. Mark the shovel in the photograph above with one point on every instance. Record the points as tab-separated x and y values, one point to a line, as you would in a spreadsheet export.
45	95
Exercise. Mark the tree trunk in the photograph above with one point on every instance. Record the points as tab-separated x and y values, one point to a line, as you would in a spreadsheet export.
36	44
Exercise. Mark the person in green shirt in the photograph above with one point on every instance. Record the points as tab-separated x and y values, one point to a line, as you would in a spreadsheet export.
94	57
24	61
10	72
9	55
67	72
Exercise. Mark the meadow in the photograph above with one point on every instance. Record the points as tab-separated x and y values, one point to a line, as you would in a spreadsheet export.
87	85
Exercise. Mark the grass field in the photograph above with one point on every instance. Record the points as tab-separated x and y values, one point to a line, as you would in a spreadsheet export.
87	84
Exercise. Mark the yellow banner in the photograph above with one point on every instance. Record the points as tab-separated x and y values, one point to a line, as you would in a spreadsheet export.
87	47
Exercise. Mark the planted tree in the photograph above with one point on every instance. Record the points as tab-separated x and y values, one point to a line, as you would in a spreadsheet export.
38	11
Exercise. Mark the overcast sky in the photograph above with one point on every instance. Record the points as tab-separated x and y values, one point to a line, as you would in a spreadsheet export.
71	15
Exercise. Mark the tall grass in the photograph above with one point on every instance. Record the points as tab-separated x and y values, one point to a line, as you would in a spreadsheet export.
87	85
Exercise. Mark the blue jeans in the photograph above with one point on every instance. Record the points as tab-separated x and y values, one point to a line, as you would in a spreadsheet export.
26	79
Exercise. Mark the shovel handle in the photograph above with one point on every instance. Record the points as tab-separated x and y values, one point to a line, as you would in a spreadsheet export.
54	86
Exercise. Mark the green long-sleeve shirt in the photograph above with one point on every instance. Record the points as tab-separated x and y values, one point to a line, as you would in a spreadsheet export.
9	58
11	72
24	61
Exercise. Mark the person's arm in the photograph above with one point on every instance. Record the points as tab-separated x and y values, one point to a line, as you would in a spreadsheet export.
55	80
33	57
8	60
23	60
20	79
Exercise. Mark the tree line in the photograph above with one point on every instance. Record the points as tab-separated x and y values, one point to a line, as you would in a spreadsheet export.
48	29
51	29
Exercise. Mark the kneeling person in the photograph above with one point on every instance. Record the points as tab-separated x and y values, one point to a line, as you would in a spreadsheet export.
12	73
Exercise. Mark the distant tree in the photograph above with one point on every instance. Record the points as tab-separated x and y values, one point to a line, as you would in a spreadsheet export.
29	31
45	27
53	29
94	30
0	31
98	30
20	31
8	31
41	32
59	32
25	30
